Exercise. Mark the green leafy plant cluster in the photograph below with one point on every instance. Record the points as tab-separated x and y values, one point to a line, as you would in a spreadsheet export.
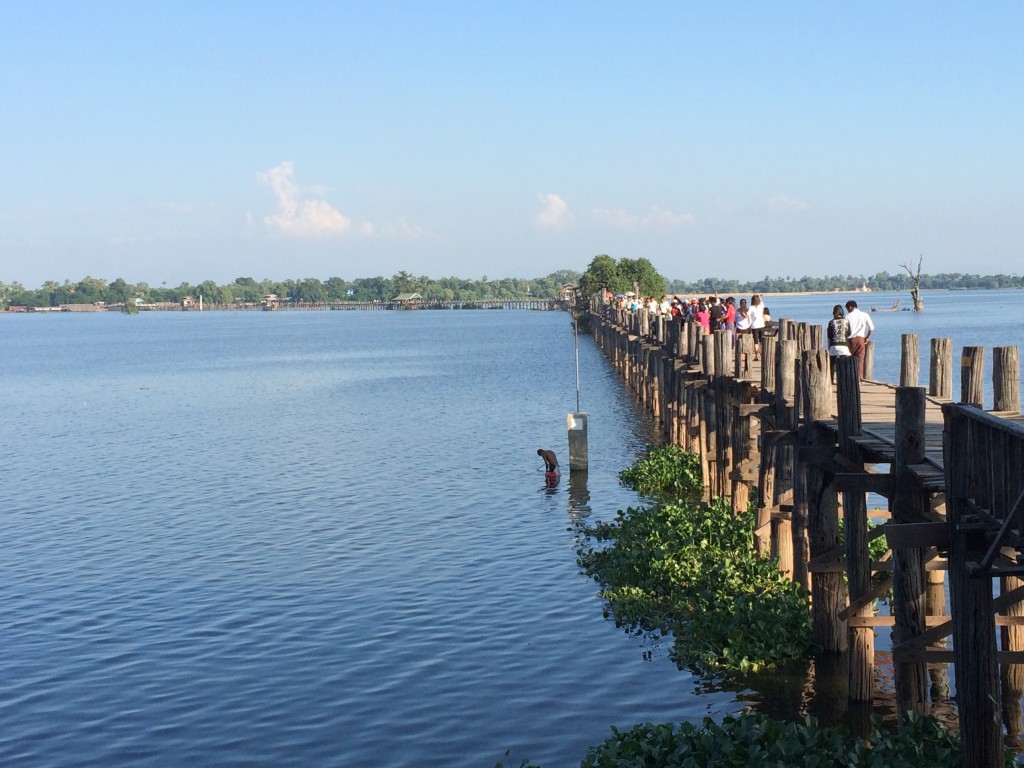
666	472
689	570
750	740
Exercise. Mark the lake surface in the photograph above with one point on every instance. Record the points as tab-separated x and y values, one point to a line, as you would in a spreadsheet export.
310	539
324	538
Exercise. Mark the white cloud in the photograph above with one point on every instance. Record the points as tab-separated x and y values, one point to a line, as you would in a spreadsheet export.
655	219
401	230
785	203
302	218
556	214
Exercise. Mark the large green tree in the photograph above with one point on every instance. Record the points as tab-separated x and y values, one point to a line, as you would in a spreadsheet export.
621	276
602	274
642	274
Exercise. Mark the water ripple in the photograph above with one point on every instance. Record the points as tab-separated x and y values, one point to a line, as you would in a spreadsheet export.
226	546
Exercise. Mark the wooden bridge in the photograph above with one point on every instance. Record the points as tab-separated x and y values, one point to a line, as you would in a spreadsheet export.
806	452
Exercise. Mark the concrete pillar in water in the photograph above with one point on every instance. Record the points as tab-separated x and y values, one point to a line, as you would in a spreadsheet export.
577	426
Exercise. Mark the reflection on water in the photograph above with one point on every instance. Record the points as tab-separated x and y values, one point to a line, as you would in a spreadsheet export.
579	495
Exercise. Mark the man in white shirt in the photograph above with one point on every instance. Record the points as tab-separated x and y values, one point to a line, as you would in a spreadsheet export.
861	326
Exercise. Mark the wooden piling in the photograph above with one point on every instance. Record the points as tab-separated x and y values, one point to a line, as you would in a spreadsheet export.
855	531
972	368
909	360
828	587
974	633
910	505
1006	379
940	369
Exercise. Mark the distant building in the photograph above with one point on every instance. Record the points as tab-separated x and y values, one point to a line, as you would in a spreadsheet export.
408	299
568	293
187	302
270	301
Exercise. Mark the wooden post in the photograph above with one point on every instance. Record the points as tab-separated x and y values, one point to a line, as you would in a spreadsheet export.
768	344
1012	675
723	412
974	635
744	354
909	361
972	367
828	588
766	472
910	505
1006	379
801	504
940	369
817	337
869	359
855	529
744	449
785	396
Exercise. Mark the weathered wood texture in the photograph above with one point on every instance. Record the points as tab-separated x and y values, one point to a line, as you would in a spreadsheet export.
743	411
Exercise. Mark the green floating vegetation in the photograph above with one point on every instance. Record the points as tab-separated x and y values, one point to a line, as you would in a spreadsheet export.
747	740
688	569
667	472
755	740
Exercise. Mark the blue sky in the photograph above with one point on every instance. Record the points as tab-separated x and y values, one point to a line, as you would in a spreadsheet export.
185	141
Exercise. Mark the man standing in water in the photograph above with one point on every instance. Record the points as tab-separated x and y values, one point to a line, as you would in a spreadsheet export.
861	326
550	461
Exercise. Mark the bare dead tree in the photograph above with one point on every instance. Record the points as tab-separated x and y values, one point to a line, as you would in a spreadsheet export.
915	291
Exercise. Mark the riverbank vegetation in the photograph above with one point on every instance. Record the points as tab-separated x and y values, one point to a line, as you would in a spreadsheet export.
91	290
603	272
686	569
751	739
748	740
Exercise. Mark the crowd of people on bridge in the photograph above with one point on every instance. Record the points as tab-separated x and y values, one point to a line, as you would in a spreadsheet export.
848	331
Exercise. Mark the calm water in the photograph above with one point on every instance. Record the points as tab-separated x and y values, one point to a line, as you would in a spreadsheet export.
324	539
309	539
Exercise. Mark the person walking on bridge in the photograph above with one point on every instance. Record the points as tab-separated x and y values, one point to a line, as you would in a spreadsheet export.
861	326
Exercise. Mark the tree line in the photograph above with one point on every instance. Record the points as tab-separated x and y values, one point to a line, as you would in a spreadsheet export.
91	290
604	272
881	281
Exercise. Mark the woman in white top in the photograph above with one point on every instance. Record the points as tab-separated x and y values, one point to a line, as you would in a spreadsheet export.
756	315
742	317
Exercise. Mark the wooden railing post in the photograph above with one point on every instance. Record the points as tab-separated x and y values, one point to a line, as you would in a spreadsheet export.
971	603
909	361
940	369
855	531
1006	379
972	368
828	587
910	505
785	404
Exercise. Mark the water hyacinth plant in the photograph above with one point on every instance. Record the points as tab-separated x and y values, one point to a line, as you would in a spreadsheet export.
687	569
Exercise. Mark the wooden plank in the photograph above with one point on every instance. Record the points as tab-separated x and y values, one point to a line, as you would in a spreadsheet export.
902	535
864	482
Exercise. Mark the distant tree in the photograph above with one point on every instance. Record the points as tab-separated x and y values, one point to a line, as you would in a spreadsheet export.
119	291
641	273
337	289
247	289
403	282
373	289
915	291
90	290
603	274
310	291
